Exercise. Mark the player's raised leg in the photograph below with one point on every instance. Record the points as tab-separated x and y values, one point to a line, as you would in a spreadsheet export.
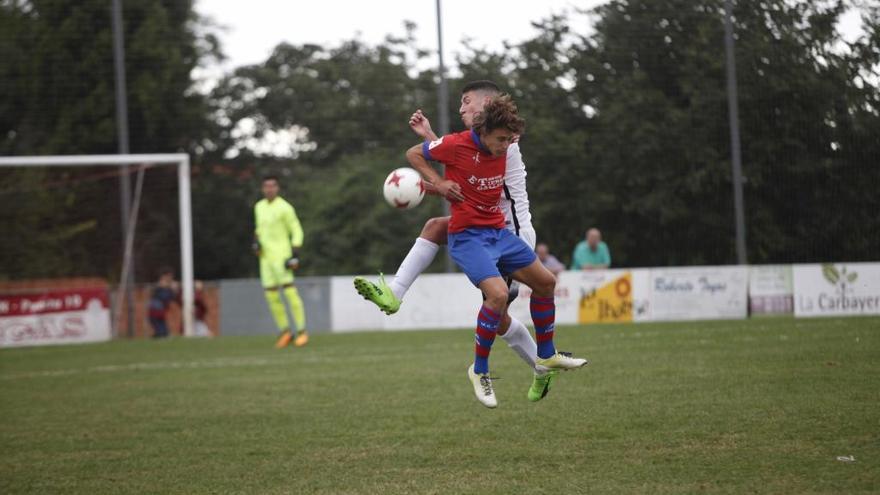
421	255
388	296
543	309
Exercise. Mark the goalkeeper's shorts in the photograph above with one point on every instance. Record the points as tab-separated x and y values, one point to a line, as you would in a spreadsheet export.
273	272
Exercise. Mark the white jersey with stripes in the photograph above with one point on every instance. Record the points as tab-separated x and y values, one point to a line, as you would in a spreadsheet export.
514	198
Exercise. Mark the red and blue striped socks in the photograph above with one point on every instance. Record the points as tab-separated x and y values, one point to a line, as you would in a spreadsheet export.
544	316
487	327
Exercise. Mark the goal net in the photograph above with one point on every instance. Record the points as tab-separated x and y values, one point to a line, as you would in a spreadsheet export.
67	247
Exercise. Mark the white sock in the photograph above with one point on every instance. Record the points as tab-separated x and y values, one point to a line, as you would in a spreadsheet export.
520	340
420	256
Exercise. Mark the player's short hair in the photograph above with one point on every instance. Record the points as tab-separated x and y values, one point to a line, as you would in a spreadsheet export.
484	85
165	270
499	113
271	177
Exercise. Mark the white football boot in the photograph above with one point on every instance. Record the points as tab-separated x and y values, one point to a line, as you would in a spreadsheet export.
561	361
482	388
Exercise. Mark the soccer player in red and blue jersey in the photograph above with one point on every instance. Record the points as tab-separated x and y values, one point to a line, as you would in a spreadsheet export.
478	240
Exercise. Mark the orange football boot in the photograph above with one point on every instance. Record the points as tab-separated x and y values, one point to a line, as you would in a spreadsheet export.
302	338
283	340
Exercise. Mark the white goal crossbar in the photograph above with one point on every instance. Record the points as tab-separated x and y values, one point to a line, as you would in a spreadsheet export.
181	160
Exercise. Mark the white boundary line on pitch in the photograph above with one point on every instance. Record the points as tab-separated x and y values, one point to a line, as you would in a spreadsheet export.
161	365
203	364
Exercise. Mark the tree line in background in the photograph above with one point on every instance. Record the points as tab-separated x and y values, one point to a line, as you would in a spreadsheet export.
627	130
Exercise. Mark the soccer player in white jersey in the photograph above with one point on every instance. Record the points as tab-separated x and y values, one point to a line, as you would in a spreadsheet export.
514	203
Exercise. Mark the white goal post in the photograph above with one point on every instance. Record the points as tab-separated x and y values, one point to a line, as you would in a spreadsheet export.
181	160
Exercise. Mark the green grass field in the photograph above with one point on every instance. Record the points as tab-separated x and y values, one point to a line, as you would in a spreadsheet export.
758	406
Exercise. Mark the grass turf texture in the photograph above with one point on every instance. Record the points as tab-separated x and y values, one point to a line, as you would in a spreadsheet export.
758	406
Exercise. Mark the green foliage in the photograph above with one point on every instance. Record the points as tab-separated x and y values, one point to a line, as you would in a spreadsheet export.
351	98
648	159
355	101
809	133
57	97
627	130
354	230
658	142
57	73
45	236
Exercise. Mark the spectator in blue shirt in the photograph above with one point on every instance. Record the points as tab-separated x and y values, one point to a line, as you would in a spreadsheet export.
591	253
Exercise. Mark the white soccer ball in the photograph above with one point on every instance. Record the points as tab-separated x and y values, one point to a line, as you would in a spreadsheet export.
404	188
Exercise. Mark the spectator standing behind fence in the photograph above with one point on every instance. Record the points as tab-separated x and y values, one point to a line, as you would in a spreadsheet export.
591	253
549	261
163	294
201	310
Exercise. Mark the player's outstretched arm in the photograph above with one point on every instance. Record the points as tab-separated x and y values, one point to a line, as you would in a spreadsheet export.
446	188
420	124
430	189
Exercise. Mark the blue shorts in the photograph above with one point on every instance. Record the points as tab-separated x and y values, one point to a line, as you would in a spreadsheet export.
483	253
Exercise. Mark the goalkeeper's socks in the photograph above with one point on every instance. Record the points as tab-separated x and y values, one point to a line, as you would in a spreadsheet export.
543	311
276	307
417	260
296	307
487	327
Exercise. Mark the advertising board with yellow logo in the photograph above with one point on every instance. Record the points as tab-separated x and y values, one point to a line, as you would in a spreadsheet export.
608	296
611	302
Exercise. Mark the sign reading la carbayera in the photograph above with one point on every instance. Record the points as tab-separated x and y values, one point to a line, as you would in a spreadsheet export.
834	289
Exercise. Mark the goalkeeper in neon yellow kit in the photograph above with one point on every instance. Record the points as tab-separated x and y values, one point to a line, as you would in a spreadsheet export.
277	237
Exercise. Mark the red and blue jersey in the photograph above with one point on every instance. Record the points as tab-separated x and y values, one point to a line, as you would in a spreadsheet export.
480	175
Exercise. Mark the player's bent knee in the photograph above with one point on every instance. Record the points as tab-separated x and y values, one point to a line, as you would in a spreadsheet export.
544	286
497	300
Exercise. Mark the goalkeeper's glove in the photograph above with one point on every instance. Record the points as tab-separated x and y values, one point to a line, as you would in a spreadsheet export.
292	263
